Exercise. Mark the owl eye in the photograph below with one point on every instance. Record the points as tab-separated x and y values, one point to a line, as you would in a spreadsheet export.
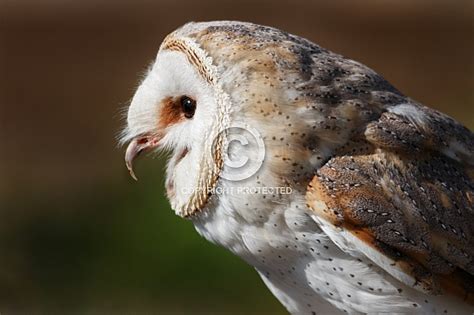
188	105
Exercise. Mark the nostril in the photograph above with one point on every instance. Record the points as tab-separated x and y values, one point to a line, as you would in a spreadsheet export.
143	140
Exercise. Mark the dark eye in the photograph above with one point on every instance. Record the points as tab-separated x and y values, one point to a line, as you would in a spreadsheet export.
188	105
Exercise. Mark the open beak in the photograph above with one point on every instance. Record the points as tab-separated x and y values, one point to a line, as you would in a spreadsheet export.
138	145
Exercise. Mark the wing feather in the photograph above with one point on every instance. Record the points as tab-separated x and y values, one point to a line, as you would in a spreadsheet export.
406	203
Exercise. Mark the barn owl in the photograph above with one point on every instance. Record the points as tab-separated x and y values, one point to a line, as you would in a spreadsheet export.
344	194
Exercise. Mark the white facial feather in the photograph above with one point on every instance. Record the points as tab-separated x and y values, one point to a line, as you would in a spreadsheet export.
172	75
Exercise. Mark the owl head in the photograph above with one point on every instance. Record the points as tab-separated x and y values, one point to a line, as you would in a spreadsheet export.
214	80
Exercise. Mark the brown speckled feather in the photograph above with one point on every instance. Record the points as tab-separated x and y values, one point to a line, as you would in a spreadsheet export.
408	196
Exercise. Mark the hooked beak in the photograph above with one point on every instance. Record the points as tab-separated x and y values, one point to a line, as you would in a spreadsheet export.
138	145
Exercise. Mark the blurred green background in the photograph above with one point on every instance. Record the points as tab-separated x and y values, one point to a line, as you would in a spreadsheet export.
76	233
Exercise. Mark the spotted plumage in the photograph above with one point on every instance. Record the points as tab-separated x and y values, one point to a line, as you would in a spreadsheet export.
377	215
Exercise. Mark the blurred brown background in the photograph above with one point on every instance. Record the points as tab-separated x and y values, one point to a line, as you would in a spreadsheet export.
76	234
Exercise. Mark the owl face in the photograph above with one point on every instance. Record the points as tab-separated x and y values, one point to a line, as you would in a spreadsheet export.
175	109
